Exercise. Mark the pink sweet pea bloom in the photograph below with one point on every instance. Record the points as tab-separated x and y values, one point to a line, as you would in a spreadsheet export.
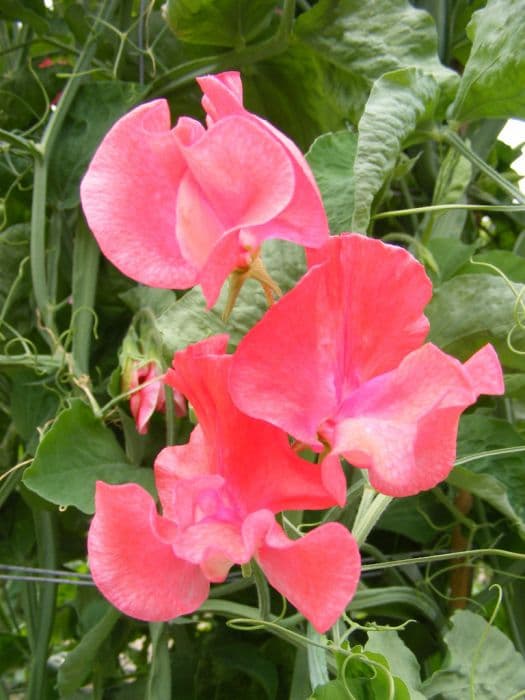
177	207
339	363
219	496
151	397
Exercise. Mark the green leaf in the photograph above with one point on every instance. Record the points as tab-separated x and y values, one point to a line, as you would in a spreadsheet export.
414	517
512	265
498	480
96	107
32	405
334	690
453	178
296	82
492	82
188	321
401	660
229	23
78	664
470	310
331	158
76	452
450	254
367	40
246	658
399	101
481	663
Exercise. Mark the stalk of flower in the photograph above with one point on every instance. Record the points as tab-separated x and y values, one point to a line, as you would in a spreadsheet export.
191	205
340	364
219	495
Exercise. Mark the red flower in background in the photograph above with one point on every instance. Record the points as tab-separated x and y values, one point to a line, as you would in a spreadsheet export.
219	496
150	396
339	363
176	207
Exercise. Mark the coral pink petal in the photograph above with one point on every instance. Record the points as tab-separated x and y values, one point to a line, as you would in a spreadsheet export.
222	260
222	95
485	373
138	573
318	573
255	458
214	546
349	319
129	196
237	145
198	228
402	425
179	462
150	398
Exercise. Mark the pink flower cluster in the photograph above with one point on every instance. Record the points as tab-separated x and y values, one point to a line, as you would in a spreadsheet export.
339	364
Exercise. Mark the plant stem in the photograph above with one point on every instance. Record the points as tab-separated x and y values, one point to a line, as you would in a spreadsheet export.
447	207
46	544
370	509
454	140
263	592
86	257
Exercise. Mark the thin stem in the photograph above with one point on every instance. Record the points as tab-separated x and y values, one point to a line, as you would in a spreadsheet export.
447	207
45	534
85	272
20	142
442	557
454	140
370	509
263	592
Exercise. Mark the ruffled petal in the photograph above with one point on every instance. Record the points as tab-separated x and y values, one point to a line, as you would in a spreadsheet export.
245	174
129	194
402	426
255	458
318	573
136	571
354	316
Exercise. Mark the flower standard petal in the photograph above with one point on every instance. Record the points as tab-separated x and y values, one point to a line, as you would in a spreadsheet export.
129	194
132	567
351	317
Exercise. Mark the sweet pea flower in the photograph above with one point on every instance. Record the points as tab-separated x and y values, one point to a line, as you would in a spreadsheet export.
189	205
339	363
150	395
219	495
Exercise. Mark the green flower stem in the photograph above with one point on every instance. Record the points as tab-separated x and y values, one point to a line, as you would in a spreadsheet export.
509	208
47	558
370	509
38	211
86	257
488	551
454	140
186	73
263	592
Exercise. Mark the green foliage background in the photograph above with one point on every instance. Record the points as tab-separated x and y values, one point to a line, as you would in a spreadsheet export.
398	106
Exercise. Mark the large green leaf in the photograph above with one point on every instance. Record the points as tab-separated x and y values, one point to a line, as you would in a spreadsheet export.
294	91
188	320
96	107
219	22
331	158
76	452
399	101
364	40
492	83
481	663
470	310
401	660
